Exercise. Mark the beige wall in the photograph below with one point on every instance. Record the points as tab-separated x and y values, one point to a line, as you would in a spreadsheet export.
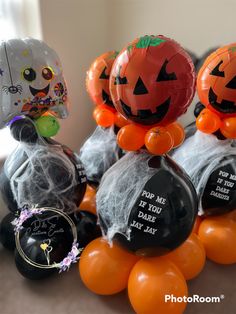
82	29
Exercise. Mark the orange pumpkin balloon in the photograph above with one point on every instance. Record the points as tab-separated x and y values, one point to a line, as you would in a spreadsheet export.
97	79
150	281
208	122
190	257
216	81
89	201
105	269
131	137
158	141
218	235
228	128
177	133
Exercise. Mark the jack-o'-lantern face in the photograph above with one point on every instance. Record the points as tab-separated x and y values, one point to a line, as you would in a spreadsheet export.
97	80
152	80
216	83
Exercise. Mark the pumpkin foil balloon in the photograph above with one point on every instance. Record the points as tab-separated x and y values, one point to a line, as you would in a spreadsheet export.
152	81
216	82
97	80
31	80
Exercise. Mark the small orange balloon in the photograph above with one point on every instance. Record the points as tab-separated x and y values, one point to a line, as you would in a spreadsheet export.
150	281
208	122
197	224
131	137
104	269
158	141
120	120
104	117
228	128
190	257
218	235
89	201
177	133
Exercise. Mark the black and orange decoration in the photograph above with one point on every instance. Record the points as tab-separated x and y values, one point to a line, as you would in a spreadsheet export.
97	84
216	87
152	83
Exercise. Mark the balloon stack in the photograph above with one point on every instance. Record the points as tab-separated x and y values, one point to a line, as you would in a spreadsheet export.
216	86
100	151
42	180
146	203
209	155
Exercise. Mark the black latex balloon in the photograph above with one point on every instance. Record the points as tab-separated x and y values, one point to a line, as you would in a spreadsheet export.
47	228
7	234
164	213
24	131
87	227
219	194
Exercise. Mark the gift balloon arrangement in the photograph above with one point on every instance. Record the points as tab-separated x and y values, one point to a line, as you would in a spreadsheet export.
42	181
146	204
209	155
100	151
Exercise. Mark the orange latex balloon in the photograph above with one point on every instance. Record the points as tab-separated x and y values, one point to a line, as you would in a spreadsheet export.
228	128
120	120
158	141
89	201
197	223
97	79
218	235
104	116
230	215
216	84
103	269
131	137
150	281
190	257
208	122
177	133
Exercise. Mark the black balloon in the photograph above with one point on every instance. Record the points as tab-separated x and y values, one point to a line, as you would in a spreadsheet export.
49	229
87	227
69	193
7	234
198	109
163	215
219	193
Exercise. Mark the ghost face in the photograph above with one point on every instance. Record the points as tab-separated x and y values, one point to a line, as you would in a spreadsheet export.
31	80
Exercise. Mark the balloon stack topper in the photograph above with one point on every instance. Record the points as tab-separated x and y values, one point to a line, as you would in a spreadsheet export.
152	83
42	182
216	86
97	84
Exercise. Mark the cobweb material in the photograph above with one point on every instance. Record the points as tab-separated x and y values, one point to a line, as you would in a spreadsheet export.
99	153
199	155
42	174
119	189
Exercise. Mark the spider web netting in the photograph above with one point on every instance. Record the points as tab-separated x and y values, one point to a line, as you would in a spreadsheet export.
199	155
99	153
41	174
119	189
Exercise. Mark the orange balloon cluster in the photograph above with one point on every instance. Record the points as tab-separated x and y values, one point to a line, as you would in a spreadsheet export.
108	269
216	86
157	140
89	201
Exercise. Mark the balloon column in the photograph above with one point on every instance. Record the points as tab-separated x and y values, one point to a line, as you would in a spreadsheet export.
42	181
100	151
145	202
209	155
